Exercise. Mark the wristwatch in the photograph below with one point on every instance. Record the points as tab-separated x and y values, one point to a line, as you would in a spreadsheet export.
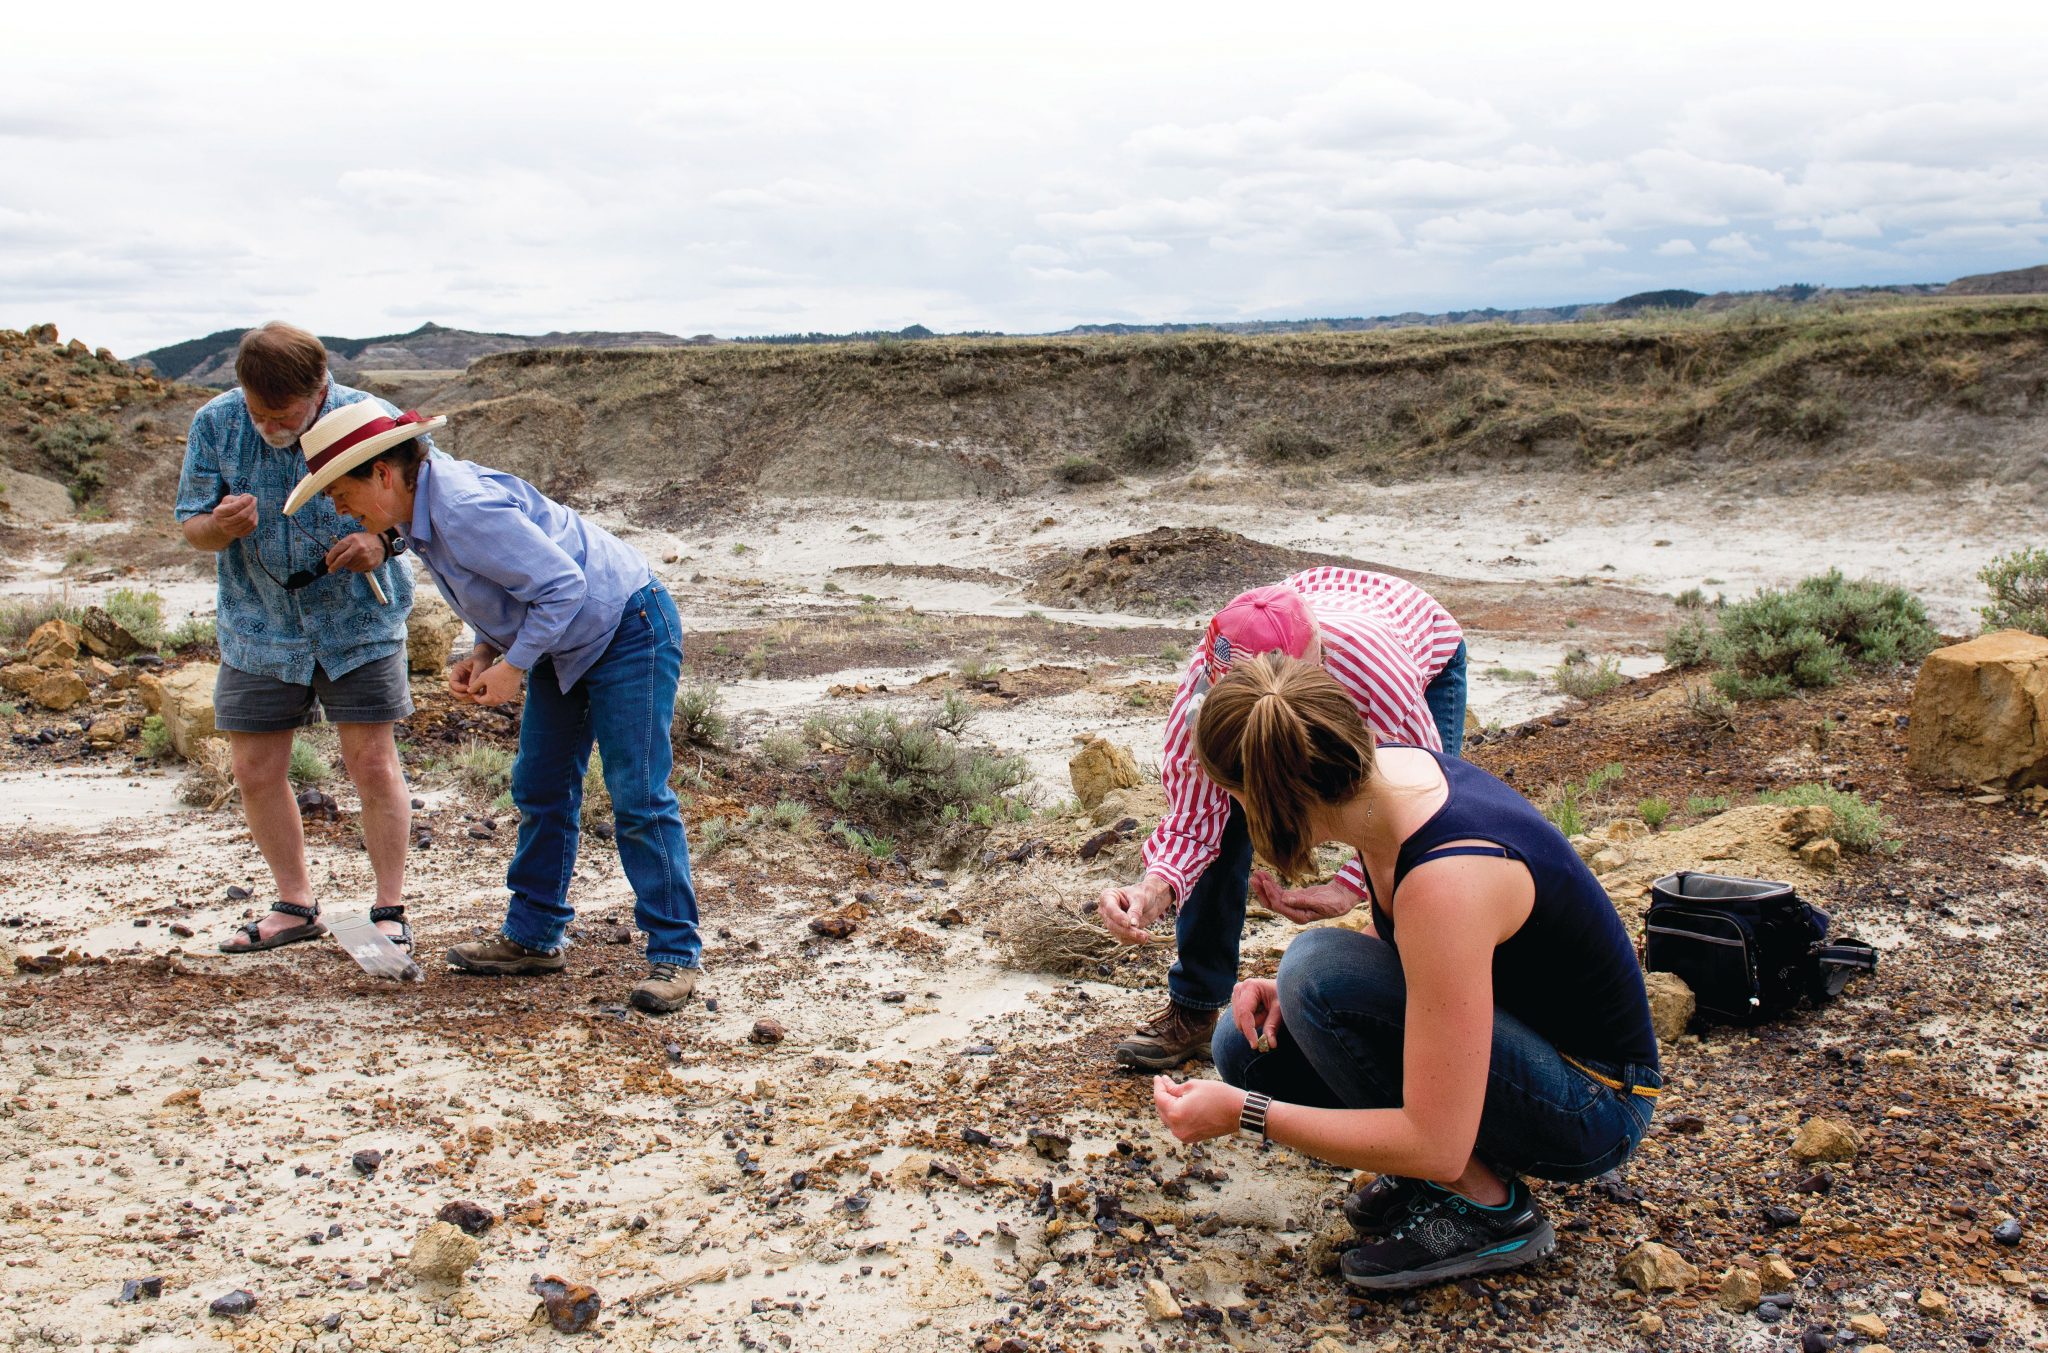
394	543
1252	1118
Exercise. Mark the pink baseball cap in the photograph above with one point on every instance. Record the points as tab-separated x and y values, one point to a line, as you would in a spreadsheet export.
1263	620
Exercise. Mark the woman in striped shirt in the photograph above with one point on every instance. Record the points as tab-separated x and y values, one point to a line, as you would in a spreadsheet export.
1401	658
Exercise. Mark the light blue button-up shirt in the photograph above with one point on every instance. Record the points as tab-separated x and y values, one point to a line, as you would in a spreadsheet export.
335	622
533	578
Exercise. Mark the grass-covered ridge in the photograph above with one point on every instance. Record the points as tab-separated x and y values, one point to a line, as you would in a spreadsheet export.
946	417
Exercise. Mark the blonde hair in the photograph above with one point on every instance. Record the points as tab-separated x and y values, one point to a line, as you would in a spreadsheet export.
1283	737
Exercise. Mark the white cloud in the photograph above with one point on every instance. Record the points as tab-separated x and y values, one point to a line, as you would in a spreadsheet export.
1678	248
1735	245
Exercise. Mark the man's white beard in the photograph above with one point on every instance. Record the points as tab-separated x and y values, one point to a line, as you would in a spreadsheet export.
278	442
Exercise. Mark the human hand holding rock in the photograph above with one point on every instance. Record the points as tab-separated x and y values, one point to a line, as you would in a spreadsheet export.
235	515
1128	913
1195	1111
1302	905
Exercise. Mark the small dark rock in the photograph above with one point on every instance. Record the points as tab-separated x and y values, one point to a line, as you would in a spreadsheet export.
856	1204
418	804
1051	1145
1978	1338
571	1307
237	893
675	1052
366	1162
241	1301
472	1218
1777	1217
768	1031
331	1321
895	997
978	1050
1815	1340
1820	1181
2008	1232
1099	842
181	930
1770	1312
1687	1124
137	1289
976	1137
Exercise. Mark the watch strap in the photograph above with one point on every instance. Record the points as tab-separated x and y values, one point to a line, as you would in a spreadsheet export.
1252	1118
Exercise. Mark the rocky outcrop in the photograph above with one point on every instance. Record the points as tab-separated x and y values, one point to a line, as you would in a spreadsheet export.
1980	712
58	688
106	637
55	643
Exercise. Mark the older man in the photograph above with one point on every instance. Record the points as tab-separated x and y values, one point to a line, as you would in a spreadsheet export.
1402	658
311	618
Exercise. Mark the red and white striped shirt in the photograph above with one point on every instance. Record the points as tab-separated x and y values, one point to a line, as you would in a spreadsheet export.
1384	640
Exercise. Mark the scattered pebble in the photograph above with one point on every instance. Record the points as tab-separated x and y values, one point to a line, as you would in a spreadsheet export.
571	1307
239	1302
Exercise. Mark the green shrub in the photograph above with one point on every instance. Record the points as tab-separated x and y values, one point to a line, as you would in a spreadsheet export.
1083	470
597	797
978	669
2019	591
1803	637
20	619
140	613
1277	441
1709	708
481	769
1706	805
908	769
699	721
9	710
1564	811
191	633
1517	675
1691	599
782	751
1686	646
879	847
156	738
1583	680
1858	825
755	663
1654	810
1155	439
308	766
714	834
1611	773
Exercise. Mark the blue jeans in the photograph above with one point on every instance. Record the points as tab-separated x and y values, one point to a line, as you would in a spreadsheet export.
1445	696
1211	916
1342	1003
624	703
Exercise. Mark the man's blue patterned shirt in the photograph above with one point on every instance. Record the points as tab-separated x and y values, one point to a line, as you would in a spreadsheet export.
335	621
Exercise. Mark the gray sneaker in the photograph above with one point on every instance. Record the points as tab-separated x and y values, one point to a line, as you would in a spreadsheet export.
666	988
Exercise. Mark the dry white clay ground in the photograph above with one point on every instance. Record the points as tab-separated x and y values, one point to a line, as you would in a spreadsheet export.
867	1181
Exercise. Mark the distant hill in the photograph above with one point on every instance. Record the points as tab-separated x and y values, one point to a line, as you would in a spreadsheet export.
433	347
2018	282
211	360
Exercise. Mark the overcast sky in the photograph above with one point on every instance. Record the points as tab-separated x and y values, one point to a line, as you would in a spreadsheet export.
796	166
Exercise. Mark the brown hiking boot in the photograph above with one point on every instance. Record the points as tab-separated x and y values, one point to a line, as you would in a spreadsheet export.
500	957
666	987
1171	1037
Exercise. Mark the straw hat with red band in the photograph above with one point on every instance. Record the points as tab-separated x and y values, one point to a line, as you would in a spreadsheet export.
348	436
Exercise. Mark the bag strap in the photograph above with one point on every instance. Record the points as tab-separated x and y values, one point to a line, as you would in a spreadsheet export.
1842	960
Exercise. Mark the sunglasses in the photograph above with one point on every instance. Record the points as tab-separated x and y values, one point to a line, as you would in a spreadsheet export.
300	579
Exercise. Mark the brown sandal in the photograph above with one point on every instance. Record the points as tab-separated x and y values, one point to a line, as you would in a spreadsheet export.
297	934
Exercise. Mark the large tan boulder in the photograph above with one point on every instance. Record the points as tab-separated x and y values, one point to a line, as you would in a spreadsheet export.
19	678
431	633
1099	767
184	700
443	1254
1980	712
1824	1139
59	689
54	644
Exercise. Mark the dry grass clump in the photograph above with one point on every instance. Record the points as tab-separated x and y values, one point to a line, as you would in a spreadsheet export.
1047	932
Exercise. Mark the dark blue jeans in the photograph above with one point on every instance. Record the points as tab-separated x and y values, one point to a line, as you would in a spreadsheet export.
1342	1003
624	704
1211	916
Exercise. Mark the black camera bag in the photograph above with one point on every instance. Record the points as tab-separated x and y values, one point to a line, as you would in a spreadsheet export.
1749	948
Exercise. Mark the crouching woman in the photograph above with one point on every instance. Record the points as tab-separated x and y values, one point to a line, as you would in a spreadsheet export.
1491	1025
572	620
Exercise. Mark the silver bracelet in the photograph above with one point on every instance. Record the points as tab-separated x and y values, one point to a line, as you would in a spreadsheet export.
1252	1118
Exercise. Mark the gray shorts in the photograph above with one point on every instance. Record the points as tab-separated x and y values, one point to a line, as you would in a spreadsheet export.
376	692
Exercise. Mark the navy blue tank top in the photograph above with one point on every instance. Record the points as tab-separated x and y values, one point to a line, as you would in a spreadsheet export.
1570	972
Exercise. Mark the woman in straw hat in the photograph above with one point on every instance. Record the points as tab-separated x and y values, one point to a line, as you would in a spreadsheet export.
1491	1024
573	620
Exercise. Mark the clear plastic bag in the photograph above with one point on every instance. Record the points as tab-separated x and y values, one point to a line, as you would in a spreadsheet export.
372	949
